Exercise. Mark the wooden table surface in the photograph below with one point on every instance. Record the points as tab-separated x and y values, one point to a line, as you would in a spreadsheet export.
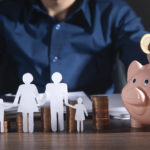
118	137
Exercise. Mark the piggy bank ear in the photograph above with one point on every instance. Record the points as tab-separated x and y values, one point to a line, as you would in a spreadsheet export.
134	67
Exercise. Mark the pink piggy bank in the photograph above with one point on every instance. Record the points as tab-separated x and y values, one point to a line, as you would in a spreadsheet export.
136	94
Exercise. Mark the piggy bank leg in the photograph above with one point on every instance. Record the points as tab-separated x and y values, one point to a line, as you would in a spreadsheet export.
136	124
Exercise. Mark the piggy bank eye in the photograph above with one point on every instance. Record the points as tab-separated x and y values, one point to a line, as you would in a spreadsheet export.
146	81
134	80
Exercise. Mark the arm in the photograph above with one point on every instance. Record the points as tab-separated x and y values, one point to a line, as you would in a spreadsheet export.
17	96
43	99
71	106
8	107
85	111
36	94
65	94
128	31
47	94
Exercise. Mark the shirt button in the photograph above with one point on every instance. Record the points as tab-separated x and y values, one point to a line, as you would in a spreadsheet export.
55	59
58	26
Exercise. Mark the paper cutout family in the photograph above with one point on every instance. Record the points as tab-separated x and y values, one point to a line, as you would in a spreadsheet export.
27	99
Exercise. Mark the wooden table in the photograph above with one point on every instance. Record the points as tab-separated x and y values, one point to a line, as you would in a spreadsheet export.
118	137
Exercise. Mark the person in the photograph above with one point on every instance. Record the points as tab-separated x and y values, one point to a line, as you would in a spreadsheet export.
28	98
57	93
78	38
80	114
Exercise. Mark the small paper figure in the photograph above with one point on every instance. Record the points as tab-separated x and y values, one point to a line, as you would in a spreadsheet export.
80	114
28	95
57	93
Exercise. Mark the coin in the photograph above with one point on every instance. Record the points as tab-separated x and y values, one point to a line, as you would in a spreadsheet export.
101	123
100	113
19	123
45	113
71	122
5	126
145	43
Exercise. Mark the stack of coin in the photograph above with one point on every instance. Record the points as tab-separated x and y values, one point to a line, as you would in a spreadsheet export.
100	113
19	123
71	122
12	125
5	127
45	113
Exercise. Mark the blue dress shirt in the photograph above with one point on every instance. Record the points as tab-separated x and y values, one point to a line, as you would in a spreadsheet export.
82	48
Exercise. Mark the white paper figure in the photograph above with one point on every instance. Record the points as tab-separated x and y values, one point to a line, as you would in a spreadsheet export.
2	110
28	95
80	114
57	94
2	115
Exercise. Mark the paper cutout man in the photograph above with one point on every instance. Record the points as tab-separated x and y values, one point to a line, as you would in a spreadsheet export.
29	98
2	109
2	113
80	114
57	94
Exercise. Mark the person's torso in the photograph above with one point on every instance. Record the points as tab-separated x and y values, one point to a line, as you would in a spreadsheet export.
56	94
79	48
27	95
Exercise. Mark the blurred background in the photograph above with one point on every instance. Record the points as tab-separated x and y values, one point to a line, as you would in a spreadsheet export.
142	8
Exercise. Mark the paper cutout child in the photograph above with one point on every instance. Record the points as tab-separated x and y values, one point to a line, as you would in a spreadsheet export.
57	94
80	114
28	95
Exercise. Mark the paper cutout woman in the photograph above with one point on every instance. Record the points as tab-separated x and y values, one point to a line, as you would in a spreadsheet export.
29	98
80	114
57	94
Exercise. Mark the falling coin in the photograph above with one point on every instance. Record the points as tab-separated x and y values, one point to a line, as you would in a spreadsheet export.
145	43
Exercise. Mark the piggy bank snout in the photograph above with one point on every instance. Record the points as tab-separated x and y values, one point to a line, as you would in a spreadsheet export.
134	96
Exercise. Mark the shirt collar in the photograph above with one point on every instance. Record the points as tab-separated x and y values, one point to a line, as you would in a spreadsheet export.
84	8
33	7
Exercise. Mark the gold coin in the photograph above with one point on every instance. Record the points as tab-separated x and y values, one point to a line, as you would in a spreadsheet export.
145	43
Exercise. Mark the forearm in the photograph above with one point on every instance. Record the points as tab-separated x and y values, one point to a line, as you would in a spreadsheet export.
71	106
128	33
16	100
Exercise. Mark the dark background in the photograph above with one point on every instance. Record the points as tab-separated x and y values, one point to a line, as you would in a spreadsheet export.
142	8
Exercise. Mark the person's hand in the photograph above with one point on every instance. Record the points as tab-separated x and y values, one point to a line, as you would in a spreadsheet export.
148	57
67	104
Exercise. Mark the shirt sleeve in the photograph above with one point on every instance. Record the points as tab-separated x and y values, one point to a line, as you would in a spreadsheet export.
128	33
